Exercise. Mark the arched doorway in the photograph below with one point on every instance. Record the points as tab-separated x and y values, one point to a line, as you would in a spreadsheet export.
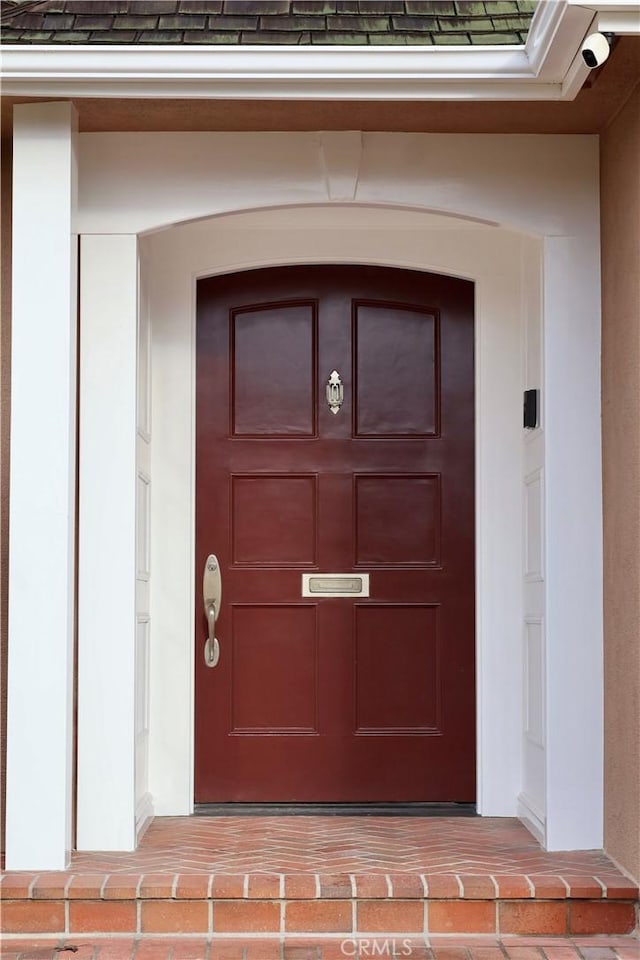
379	238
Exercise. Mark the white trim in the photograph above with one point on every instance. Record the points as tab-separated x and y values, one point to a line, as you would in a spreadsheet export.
165	62
257	72
555	31
128	180
301	88
537	71
544	26
532	817
573	543
620	22
576	76
533	576
107	543
144	815
143	513
605	16
537	741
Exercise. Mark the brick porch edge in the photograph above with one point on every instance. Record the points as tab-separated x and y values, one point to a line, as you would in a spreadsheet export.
275	904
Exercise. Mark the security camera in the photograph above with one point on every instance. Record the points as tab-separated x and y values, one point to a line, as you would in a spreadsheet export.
595	49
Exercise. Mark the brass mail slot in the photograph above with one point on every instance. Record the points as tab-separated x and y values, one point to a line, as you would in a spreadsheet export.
335	585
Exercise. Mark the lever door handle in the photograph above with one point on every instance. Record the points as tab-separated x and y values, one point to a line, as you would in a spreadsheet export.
212	597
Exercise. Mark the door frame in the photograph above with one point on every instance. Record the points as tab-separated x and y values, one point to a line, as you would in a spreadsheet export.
176	259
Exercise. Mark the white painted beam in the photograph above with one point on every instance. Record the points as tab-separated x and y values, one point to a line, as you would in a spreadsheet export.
107	556
42	511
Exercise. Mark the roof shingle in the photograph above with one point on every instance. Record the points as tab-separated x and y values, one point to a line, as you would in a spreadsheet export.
289	22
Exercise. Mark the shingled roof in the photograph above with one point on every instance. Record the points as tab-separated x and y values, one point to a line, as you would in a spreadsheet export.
294	22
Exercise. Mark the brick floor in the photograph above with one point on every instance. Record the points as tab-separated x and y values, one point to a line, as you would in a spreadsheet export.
340	845
362	877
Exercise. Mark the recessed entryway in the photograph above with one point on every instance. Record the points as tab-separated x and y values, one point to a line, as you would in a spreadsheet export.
175	262
522	224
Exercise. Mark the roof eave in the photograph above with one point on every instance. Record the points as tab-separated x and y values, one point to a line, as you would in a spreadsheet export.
548	67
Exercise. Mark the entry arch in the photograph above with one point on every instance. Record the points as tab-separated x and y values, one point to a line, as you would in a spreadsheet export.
409	239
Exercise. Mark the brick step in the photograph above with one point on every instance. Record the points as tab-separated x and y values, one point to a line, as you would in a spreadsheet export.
325	947
223	905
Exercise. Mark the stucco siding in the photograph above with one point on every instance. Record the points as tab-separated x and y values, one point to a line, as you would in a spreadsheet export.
620	184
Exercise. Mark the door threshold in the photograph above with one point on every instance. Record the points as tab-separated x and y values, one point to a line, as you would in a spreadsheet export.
335	809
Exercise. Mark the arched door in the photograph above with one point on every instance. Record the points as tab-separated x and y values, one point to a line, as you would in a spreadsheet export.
335	485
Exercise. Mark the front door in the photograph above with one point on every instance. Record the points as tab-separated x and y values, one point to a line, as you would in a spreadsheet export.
353	697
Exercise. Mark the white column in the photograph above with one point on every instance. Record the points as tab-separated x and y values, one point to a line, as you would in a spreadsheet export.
574	645
42	510
107	543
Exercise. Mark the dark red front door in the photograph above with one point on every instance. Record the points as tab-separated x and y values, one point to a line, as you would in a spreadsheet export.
346	698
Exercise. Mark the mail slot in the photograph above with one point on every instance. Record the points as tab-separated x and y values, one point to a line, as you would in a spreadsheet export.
335	585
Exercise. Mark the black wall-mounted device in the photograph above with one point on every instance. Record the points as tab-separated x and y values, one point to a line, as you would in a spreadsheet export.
531	409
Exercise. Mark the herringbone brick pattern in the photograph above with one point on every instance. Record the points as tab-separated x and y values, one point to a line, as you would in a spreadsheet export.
243	878
338	845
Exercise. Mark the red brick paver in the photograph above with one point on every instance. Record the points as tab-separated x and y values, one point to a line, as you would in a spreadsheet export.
224	877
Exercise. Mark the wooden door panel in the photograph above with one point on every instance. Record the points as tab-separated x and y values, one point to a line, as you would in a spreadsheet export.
274	392
336	699
397	520
397	670
273	520
396	370
278	641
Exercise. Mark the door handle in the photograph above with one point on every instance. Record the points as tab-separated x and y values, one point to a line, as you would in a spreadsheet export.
212	597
